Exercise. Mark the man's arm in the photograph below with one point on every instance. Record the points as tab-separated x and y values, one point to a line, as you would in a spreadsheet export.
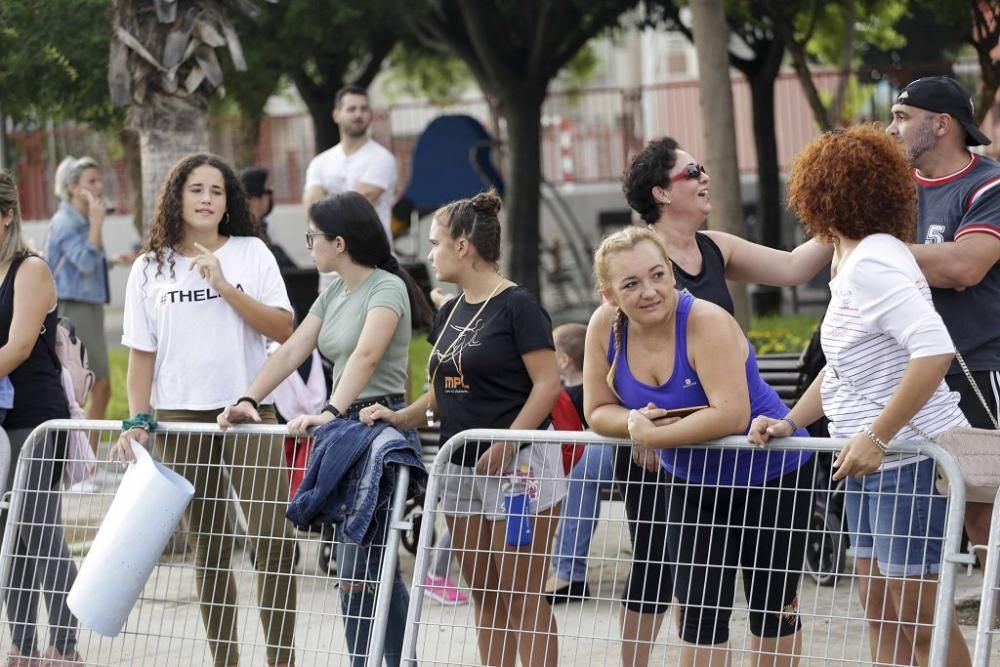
370	192
961	263
311	195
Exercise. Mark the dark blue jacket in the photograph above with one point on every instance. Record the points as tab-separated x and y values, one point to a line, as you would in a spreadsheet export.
349	478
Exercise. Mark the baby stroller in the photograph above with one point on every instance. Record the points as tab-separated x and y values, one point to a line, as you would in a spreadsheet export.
826	543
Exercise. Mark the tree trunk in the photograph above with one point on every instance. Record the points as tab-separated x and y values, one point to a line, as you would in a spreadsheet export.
769	207
169	128
716	92
801	65
523	112
990	74
320	102
133	167
326	134
844	72
249	136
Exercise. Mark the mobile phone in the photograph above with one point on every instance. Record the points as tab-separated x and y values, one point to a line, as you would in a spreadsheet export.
683	412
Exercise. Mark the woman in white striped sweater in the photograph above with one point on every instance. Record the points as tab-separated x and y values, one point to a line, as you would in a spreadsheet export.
887	352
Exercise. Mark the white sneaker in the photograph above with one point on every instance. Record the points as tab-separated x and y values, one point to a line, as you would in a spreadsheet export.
86	486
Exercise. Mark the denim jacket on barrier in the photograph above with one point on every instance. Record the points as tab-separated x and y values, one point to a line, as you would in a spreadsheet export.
79	268
349	478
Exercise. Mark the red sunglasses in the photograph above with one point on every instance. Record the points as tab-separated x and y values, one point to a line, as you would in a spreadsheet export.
691	172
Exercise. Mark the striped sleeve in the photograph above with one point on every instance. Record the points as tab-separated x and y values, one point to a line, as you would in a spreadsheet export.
982	215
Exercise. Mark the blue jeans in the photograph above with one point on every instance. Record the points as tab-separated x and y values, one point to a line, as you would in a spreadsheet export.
361	567
592	474
897	517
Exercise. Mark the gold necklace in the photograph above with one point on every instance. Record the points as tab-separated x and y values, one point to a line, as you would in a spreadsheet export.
432	376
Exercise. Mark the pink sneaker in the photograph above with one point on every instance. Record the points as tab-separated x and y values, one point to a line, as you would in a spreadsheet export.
444	591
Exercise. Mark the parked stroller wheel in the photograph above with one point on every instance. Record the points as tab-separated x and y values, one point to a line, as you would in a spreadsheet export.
415	514
327	552
826	549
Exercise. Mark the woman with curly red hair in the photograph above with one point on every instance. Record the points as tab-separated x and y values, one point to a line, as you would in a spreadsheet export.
887	353
200	306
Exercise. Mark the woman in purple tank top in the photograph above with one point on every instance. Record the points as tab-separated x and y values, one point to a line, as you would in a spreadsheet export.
727	510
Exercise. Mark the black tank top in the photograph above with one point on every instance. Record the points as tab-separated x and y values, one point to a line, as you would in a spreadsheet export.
38	392
710	283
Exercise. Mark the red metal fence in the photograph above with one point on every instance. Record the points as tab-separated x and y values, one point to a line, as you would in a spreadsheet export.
587	136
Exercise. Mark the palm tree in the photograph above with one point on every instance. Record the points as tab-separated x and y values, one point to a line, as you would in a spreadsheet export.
164	67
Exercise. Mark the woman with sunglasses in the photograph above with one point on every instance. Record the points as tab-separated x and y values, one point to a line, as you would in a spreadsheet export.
669	190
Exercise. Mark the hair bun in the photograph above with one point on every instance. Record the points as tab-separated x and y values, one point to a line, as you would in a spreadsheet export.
487	203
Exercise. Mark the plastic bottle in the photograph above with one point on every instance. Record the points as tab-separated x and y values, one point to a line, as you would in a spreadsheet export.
517	504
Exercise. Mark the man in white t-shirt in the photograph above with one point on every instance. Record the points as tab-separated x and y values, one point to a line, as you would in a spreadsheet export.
358	162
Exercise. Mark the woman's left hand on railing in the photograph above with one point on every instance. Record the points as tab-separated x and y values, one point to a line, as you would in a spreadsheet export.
858	458
496	459
301	425
763	428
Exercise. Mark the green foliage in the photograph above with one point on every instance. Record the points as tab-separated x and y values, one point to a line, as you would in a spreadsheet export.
54	60
415	71
782	333
874	25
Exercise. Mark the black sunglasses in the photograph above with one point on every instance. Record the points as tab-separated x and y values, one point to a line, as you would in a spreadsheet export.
691	172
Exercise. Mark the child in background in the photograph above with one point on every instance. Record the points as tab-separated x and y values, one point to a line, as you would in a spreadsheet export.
591	475
6	397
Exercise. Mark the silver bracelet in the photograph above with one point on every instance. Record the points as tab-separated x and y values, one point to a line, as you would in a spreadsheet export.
875	439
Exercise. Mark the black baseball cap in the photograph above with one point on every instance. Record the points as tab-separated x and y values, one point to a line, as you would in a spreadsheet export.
255	181
942	94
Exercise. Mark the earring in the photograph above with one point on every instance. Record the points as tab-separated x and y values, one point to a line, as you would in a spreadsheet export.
225	220
668	202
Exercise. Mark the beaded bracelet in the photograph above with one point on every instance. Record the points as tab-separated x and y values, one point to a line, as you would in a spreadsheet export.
143	420
791	422
876	440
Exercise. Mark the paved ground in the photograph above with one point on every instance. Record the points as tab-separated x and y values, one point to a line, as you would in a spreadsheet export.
165	627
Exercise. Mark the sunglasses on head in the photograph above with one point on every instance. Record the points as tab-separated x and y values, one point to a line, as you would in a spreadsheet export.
691	172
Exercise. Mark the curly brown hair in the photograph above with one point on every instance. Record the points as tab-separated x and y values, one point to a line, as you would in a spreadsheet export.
649	169
167	228
854	183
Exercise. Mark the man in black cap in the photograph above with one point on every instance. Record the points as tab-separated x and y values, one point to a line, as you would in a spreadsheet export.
958	241
260	199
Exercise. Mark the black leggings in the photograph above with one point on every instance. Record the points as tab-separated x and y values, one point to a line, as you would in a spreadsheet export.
649	587
713	530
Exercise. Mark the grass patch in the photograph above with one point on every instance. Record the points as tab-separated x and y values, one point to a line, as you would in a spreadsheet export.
782	333
118	405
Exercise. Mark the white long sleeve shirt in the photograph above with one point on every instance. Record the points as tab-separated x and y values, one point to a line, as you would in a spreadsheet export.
881	316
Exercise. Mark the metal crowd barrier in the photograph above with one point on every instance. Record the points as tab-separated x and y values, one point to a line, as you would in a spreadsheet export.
166	626
834	629
987	629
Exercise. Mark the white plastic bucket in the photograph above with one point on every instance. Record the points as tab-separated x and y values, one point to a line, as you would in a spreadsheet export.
147	507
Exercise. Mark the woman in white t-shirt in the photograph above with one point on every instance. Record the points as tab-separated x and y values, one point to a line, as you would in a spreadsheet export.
887	353
200	305
362	323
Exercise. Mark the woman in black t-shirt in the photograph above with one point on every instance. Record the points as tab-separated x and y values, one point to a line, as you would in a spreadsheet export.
41	560
493	366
